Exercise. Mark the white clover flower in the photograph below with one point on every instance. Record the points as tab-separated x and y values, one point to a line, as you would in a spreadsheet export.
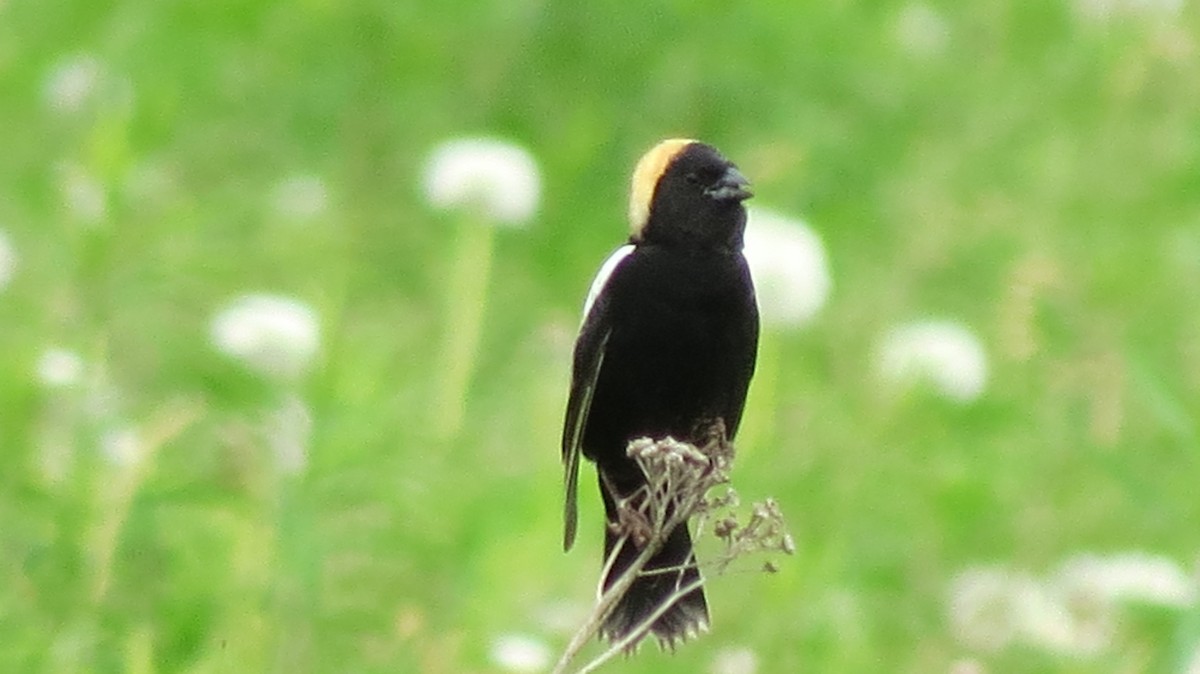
499	178
8	260
1049	620
300	198
983	607
150	181
83	195
789	266
122	446
72	82
1115	10
735	661
967	666
1133	577
921	30
561	617
991	608
275	336
942	354
519	653
59	368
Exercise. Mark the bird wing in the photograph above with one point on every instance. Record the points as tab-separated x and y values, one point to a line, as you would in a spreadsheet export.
589	356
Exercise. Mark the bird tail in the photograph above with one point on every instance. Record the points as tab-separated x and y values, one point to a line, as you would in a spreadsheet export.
686	616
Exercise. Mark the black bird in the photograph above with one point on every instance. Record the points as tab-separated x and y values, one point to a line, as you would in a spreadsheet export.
668	342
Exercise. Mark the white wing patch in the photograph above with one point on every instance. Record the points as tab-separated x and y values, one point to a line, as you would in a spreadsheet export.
606	271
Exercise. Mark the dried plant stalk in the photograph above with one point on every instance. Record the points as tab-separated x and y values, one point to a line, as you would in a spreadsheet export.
679	476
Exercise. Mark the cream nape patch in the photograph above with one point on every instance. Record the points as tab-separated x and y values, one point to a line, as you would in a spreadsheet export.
645	179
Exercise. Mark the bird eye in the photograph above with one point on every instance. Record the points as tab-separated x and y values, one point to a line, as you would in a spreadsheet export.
693	178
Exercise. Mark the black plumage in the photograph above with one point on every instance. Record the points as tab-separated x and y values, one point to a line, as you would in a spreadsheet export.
668	343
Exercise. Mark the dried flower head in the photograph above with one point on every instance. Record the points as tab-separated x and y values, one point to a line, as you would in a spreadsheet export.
499	178
679	476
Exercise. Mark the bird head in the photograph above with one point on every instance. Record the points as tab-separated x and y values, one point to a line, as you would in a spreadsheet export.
685	192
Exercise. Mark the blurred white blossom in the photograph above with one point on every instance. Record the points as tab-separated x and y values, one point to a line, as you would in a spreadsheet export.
72	82
121	446
921	30
945	355
737	660
967	666
1105	10
561	617
150	181
59	368
789	266
1134	577
983	609
8	260
519	653
497	177
84	197
275	336
991	608
300	197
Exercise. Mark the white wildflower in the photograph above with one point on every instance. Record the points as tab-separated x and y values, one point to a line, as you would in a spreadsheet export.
150	181
991	608
8	260
1116	10
121	446
1133	577
967	666
789	266
275	336
72	82
84	197
983	607
942	354
300	198
921	30
1048	619
735	661
561	617
499	178
59	368
519	653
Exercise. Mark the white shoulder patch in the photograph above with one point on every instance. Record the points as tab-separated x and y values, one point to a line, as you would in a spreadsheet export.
606	271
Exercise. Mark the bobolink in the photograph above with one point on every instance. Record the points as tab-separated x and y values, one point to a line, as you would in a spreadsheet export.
668	343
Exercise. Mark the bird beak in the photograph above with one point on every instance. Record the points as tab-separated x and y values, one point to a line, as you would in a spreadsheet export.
731	187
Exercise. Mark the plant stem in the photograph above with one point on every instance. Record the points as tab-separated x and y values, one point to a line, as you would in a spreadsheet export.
466	298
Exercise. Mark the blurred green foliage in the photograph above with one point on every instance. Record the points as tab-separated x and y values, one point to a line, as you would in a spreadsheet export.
1015	165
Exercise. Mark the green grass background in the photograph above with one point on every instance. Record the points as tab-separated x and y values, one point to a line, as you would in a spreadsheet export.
1037	177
